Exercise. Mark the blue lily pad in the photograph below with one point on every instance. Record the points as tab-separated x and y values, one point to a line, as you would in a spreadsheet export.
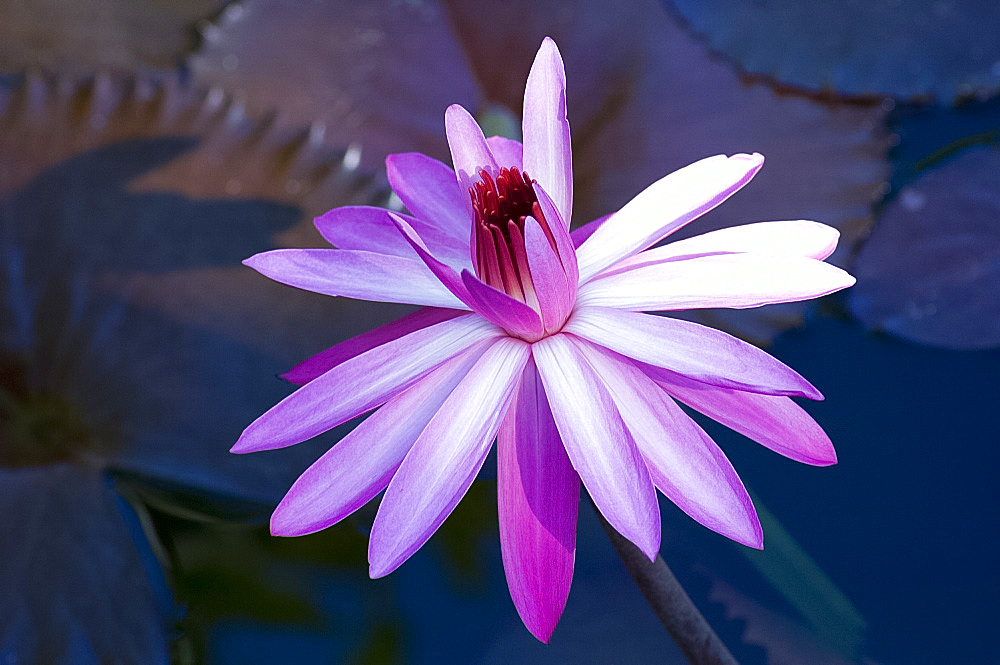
929	273
904	48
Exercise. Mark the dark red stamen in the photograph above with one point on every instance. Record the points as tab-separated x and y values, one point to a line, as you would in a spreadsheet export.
501	207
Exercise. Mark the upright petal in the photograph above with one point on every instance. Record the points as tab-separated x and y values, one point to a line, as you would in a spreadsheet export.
362	383
548	155
538	495
507	152
663	207
553	290
773	421
598	443
429	190
683	461
370	229
716	280
469	150
560	231
361	464
446	457
356	274
702	353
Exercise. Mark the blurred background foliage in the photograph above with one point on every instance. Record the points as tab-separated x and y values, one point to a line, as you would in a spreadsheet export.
148	146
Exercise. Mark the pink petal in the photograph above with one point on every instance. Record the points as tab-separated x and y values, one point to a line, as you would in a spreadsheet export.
683	461
772	421
690	349
559	228
324	361
360	465
355	274
508	313
796	238
506	152
717	280
429	190
362	383
581	234
553	290
370	229
663	207
548	155
597	442
446	457
469	151
538	495
444	273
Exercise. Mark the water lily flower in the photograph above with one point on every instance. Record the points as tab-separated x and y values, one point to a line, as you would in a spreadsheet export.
541	339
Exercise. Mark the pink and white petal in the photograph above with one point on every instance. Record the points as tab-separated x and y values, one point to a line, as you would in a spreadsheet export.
325	360
553	290
683	461
548	154
507	152
599	445
580	235
689	349
429	190
560	231
446	457
663	207
362	383
469	150
370	229
356	274
361	464
503	310
775	422
794	238
718	280
538	497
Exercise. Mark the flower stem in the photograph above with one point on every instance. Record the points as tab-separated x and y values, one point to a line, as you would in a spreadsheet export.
671	604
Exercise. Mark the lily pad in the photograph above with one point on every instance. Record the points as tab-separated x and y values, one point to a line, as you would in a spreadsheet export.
904	48
930	271
86	35
639	107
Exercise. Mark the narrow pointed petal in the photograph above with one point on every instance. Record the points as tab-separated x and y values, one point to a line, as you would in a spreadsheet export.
356	274
717	280
469	150
446	457
564	242
598	443
663	207
507	152
324	361
429	190
370	229
683	461
361	464
793	238
548	155
510	314
689	349
775	422
538	496
553	290
362	383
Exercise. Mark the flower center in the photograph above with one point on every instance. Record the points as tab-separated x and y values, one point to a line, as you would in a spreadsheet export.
502	207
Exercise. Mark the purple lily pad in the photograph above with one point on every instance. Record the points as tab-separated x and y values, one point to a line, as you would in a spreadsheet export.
930	271
639	106
908	49
86	35
74	585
